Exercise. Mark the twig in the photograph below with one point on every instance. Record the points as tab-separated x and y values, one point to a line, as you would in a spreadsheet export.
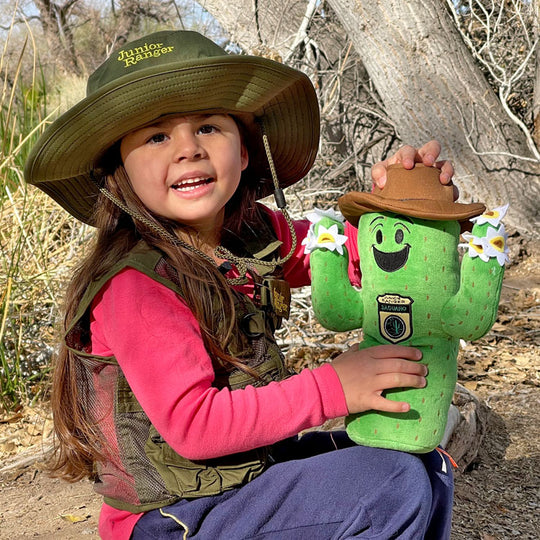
26	460
496	153
316	345
301	35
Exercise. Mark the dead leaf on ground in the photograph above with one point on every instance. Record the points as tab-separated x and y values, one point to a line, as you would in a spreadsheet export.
72	518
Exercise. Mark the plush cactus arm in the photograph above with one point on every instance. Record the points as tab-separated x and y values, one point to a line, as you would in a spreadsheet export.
337	304
471	312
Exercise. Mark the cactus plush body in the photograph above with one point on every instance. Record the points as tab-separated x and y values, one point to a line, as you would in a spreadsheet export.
415	292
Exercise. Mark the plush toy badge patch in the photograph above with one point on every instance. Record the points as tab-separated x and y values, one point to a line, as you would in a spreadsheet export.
414	290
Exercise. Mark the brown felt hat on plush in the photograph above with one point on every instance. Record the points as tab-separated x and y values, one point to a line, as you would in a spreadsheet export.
416	193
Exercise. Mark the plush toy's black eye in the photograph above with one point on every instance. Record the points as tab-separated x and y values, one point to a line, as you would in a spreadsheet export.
399	236
379	237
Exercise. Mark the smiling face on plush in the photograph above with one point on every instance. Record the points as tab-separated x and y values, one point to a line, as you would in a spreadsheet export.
410	267
390	240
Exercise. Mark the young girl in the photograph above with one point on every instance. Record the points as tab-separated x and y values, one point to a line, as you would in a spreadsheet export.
169	389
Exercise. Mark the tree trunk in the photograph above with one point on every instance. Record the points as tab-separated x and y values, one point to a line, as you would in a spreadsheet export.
536	81
432	89
265	27
296	33
58	32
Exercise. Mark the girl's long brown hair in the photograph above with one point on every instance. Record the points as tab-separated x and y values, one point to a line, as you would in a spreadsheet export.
205	290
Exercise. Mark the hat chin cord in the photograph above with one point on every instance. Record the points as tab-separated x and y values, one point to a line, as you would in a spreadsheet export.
166	235
245	265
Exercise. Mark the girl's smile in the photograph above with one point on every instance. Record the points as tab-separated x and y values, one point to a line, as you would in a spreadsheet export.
186	168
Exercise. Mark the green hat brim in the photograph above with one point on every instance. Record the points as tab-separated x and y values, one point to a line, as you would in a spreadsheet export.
71	147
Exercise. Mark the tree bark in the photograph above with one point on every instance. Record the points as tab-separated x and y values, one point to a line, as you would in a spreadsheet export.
265	27
536	81
432	89
59	33
295	32
469	427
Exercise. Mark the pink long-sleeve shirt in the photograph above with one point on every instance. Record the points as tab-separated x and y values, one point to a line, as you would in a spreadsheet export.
157	343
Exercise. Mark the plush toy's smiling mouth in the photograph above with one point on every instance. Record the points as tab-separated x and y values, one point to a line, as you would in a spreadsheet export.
390	262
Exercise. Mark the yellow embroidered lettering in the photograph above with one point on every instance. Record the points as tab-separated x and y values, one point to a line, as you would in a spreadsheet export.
131	57
121	56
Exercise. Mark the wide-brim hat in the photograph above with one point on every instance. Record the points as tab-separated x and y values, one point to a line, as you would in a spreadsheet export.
413	192
177	72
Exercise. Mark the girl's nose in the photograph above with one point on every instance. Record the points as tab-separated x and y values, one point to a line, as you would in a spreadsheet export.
188	147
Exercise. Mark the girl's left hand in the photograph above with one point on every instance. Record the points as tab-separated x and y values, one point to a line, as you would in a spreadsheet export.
408	156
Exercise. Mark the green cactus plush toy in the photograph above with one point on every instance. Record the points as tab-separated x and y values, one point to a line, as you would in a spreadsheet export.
414	290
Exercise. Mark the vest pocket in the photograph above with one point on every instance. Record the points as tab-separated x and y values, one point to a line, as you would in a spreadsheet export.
188	478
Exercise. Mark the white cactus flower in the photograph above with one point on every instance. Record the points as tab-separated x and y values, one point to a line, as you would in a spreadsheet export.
326	238
476	245
492	217
496	244
309	240
317	214
493	245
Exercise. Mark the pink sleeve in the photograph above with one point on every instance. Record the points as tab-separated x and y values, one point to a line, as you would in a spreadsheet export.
297	267
351	244
157	342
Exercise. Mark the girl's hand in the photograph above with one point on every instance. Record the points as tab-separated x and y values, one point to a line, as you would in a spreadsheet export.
365	373
408	156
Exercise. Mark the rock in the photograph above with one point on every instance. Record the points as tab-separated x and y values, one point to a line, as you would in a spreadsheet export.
467	424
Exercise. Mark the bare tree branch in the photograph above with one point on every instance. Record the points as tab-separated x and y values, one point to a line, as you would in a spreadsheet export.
505	52
302	35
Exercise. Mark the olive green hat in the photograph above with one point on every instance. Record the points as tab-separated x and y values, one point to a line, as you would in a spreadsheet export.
174	72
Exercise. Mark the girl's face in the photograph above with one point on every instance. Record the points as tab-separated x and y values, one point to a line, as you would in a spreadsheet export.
186	168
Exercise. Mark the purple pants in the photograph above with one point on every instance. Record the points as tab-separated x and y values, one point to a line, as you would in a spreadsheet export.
317	492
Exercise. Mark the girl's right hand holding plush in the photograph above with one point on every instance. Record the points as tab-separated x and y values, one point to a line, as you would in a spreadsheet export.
365	373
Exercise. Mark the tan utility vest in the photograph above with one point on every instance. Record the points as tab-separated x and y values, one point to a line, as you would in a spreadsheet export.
142	471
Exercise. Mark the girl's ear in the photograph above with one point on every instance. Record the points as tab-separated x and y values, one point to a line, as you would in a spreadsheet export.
244	157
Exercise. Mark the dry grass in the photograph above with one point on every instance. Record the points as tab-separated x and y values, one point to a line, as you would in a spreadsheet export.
39	243
38	240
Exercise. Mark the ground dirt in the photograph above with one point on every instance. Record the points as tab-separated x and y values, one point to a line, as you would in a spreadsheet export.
497	494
